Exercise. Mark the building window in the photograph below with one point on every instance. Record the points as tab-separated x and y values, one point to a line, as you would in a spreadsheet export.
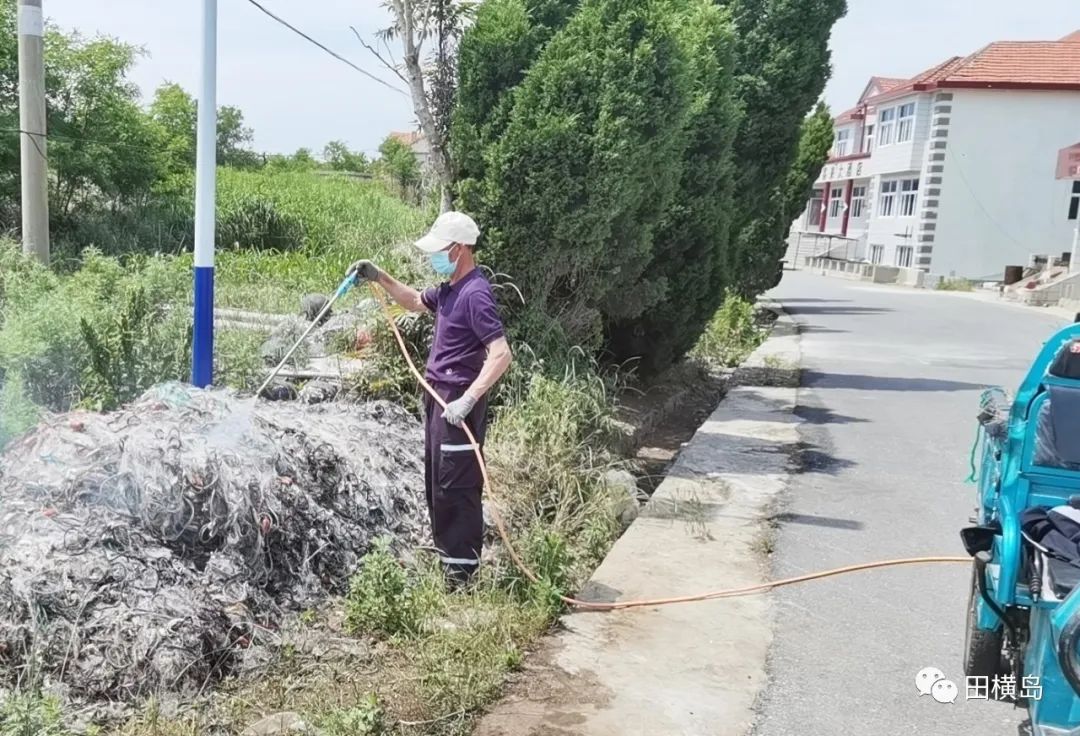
909	192
885	126
877	254
813	218
904	254
858	201
836	201
869	144
888	198
842	146
1074	204
905	122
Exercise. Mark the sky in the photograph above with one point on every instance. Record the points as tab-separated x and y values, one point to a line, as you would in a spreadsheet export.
294	95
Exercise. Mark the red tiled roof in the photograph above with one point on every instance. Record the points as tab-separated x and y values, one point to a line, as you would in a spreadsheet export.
1001	65
847	116
886	84
407	138
1018	64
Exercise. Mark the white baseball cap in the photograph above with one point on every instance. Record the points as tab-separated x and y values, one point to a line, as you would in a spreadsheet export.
449	227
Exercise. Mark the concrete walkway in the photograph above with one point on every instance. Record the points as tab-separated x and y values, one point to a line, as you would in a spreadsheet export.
696	668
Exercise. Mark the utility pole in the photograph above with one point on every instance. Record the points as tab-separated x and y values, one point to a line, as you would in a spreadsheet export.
202	348
33	150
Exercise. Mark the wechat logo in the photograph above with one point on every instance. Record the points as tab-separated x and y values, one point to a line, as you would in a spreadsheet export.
931	681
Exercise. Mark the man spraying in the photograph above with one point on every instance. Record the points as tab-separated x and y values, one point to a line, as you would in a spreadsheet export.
469	353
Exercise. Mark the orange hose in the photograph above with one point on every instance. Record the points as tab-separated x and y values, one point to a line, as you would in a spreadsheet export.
616	605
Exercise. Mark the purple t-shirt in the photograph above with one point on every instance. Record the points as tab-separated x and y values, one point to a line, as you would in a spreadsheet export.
466	322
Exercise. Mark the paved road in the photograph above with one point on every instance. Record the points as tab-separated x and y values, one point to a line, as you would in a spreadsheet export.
891	390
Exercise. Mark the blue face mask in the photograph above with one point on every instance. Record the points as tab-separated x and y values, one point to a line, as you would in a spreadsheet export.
442	264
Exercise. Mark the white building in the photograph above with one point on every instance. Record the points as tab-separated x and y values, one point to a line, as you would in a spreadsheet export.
952	172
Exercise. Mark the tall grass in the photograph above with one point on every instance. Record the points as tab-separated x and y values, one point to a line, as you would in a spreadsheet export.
283	235
732	333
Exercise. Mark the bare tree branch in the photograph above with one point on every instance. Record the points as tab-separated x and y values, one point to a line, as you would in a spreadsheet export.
392	67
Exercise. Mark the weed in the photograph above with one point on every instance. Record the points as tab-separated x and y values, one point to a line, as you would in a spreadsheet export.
237	361
31	714
365	719
17	412
384	599
545	552
955	285
732	334
776	363
130	352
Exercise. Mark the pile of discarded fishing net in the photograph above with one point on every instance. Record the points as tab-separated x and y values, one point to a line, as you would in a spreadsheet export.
148	550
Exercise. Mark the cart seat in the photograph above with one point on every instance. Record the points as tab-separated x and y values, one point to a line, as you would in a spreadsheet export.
1054	535
1057	432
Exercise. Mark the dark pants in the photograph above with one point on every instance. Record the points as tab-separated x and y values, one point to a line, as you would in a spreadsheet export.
453	483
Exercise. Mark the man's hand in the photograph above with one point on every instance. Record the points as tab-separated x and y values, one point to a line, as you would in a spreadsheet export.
364	271
457	410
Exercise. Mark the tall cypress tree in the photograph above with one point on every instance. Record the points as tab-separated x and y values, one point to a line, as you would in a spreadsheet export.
587	166
783	64
690	251
494	55
815	140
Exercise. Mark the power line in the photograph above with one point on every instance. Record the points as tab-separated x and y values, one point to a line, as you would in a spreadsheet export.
336	55
76	138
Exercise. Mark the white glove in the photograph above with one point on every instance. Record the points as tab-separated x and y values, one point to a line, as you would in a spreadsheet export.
456	411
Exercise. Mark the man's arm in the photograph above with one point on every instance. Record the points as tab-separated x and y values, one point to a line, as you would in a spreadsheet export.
495	365
406	296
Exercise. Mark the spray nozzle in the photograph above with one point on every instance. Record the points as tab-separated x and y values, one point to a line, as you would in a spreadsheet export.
349	282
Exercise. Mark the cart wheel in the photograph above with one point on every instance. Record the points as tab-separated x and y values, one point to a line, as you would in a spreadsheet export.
982	649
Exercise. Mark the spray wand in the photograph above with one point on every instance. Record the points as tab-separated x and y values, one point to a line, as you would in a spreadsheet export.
342	290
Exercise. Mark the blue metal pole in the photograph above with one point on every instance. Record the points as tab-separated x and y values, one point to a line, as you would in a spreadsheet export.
202	352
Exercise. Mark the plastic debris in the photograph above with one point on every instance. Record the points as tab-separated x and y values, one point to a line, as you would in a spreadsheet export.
149	550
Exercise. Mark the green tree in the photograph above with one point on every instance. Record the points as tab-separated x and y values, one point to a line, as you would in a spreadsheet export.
102	146
175	113
690	253
338	157
814	143
398	163
782	67
494	55
9	114
302	160
590	160
234	140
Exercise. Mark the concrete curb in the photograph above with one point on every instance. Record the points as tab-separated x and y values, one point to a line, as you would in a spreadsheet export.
694	669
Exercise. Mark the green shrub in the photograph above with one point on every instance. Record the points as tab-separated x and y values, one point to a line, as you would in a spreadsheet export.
17	412
24	714
547	554
366	719
732	334
384	599
41	338
954	285
384	373
131	350
237	359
